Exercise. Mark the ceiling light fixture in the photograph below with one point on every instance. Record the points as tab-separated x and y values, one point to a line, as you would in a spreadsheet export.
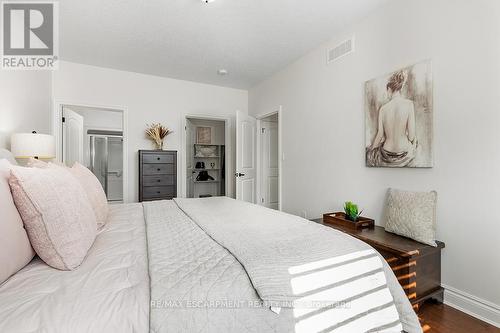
222	72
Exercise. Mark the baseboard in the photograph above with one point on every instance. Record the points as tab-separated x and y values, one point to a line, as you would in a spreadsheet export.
472	305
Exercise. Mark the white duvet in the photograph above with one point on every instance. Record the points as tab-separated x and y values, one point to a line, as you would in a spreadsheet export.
196	284
109	292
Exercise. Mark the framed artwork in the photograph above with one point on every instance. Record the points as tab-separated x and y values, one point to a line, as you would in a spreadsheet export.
399	118
204	135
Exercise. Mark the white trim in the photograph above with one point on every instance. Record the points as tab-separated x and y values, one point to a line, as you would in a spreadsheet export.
57	133
228	148
472	305
259	117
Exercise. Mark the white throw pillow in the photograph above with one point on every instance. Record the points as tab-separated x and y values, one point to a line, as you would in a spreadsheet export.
15	248
412	214
4	153
56	212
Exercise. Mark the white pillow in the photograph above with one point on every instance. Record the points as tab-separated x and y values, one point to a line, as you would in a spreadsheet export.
15	248
412	214
4	153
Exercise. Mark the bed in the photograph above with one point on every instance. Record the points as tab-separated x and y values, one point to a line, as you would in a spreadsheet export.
159	267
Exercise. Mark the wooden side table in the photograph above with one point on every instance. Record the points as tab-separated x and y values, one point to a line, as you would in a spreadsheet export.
417	266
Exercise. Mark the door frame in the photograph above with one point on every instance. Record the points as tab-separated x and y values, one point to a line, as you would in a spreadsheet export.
259	118
228	151
57	133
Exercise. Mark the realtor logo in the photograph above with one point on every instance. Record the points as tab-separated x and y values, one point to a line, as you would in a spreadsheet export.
29	35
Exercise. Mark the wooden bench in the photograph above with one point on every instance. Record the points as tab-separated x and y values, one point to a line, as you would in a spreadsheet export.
417	266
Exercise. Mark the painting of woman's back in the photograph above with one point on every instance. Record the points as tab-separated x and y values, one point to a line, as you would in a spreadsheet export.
399	113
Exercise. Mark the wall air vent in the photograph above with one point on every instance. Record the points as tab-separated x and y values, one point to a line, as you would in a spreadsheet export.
339	51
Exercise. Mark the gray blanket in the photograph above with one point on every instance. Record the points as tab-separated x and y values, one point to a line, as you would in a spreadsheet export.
285	263
196	284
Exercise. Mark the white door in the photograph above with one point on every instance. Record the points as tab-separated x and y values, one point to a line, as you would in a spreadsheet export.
270	165
72	137
246	135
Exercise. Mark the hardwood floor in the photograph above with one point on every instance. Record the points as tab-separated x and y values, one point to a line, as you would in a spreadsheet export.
441	318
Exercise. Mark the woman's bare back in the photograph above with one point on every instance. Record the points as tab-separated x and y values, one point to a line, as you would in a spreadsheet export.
398	119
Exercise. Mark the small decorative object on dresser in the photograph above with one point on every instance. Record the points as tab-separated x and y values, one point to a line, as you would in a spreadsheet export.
351	218
157	133
157	175
417	266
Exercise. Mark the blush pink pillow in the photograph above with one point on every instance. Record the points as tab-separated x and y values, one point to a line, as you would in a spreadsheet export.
15	247
35	163
55	210
91	185
94	191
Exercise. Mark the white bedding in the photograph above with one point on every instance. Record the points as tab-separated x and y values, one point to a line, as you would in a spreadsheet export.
109	292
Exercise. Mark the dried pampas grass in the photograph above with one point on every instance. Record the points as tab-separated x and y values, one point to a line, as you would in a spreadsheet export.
157	133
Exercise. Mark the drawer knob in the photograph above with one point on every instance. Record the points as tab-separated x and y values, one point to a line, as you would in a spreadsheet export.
158	192
158	169
159	180
158	158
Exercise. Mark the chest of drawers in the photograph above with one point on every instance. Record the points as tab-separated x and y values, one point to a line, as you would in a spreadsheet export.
417	266
157	175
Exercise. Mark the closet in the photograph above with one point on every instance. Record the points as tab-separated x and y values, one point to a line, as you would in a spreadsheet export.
206	156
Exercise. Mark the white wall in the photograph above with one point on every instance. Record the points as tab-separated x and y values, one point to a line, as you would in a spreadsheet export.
99	119
323	128
25	102
147	99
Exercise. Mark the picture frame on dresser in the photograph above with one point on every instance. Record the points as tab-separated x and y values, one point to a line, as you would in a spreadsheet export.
157	175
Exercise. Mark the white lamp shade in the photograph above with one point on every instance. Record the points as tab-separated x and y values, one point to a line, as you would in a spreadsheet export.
26	145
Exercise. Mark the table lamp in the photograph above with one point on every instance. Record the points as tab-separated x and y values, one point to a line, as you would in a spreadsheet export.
39	146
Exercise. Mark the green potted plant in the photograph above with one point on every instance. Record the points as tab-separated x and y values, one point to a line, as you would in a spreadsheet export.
351	211
350	218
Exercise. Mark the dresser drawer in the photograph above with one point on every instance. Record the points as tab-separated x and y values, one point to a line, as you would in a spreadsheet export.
158	169
158	158
157	174
159	180
158	191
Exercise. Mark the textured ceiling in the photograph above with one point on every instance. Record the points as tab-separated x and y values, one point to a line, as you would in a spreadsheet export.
190	40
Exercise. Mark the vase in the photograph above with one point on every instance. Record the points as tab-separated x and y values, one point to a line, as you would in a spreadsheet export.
158	145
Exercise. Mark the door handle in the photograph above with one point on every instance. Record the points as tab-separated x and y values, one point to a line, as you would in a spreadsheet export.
239	174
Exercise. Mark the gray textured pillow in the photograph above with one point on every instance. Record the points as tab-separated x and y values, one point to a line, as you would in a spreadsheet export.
412	214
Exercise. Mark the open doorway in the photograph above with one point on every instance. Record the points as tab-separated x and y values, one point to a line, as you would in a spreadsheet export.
259	158
268	172
206	157
94	138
